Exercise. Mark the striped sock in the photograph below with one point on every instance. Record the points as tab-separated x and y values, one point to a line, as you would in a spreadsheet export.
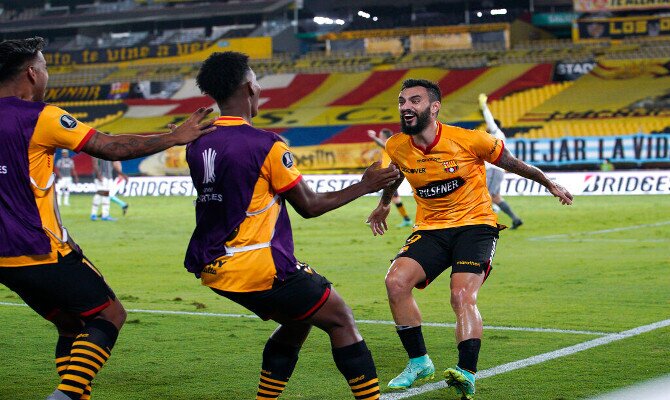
279	361
63	349
89	352
356	364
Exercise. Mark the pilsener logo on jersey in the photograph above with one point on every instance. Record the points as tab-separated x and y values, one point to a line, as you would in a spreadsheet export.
440	189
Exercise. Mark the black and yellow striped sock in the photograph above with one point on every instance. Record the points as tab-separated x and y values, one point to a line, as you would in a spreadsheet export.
402	211
63	349
279	361
89	352
356	364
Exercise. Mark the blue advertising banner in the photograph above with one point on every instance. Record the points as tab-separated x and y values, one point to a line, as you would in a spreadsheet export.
564	151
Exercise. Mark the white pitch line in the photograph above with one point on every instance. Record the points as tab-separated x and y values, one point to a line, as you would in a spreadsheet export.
361	321
527	362
574	239
623	228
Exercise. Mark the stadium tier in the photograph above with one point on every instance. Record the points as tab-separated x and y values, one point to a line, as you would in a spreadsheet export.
533	100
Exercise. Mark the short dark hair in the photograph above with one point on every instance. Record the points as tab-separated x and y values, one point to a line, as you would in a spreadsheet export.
434	92
222	73
15	53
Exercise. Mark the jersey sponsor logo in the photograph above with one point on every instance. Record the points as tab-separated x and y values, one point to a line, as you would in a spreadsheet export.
413	170
450	166
440	189
68	122
208	158
3	169
213	267
432	159
287	159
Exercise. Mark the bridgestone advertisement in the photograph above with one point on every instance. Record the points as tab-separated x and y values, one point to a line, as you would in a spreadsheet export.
578	183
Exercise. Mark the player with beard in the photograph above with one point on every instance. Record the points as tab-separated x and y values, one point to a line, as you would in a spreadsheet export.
455	227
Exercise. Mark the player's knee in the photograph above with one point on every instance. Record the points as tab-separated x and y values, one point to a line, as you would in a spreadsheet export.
115	313
397	284
461	298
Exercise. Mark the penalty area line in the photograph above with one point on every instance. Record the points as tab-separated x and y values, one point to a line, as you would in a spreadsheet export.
530	361
358	321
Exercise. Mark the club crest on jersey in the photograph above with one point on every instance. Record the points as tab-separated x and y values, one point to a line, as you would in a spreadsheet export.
450	166
67	122
287	159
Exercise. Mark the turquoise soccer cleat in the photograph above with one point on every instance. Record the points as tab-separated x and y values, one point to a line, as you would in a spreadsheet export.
405	223
461	380
418	370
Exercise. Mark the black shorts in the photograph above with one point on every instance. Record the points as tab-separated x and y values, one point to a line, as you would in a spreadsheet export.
71	285
464	249
297	297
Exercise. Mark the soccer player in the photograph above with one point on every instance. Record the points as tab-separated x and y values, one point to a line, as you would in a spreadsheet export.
494	174
455	227
104	182
242	246
65	171
381	139
38	259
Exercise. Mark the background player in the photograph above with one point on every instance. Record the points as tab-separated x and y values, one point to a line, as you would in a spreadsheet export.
381	139
494	174
65	172
38	259
242	246
455	227
104	185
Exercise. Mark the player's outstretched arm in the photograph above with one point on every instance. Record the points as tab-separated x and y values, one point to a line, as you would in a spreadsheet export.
512	164
377	218
373	135
125	147
310	204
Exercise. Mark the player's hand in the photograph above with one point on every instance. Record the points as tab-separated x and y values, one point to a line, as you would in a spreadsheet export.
372	134
376	178
377	219
193	127
482	100
562	193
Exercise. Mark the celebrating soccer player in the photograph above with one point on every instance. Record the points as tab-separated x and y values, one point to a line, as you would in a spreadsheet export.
242	246
455	227
38	259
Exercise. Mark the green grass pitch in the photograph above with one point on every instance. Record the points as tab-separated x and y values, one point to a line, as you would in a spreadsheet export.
591	276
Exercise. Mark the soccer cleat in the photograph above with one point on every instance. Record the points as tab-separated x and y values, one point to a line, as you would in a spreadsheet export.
58	395
405	223
418	370
94	217
124	209
516	223
461	380
108	218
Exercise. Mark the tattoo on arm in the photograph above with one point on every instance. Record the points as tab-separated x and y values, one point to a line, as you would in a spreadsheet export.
512	164
125	147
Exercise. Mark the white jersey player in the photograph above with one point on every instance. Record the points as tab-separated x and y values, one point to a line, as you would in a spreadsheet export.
65	172
494	174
